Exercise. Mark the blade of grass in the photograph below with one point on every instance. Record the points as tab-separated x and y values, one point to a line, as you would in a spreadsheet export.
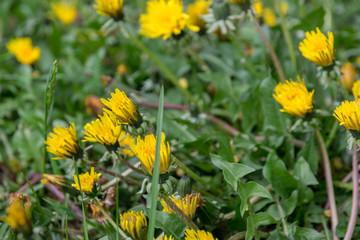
82	201
155	174
117	208
48	102
66	227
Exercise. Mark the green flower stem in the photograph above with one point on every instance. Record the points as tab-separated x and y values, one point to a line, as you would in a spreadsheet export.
156	169
283	221
35	194
122	233
332	134
171	76
179	212
82	201
117	209
194	176
326	230
251	212
197	58
287	36
329	182
271	51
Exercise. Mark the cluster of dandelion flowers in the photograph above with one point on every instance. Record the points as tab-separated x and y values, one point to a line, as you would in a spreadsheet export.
18	216
317	48
104	130
166	238
63	142
195	10
191	234
348	115
87	181
127	143
135	224
164	18
356	90
348	75
23	50
145	151
294	97
110	8
122	107
65	11
187	204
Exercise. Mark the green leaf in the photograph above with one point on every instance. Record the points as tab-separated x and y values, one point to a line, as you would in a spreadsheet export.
276	173
232	171
273	118
289	204
303	173
312	20
250	229
225	150
263	218
249	190
171	224
308	152
50	88
307	234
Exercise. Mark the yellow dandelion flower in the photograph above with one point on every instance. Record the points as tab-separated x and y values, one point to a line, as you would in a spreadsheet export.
317	48
63	142
258	8
195	10
87	181
187	204
163	18
24	198
122	107
356	90
127	143
284	6
294	97
166	238
191	234
134	224
357	60
18	216
104	130
348	114
145	151
269	17
65	11
23	50
110	8
122	69
348	75
56	180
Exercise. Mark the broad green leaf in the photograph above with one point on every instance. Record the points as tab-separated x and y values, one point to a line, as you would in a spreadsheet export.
276	173
232	171
307	234
273	118
249	190
250	225
289	204
263	218
312	20
244	141
225	150
308	152
303	173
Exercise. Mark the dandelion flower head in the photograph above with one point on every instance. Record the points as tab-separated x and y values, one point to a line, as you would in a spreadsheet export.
187	204
87	181
110	8
18	216
294	97
134	223
63	142
317	48
348	75
195	10
127	142
23	50
348	115
356	90
65	11
191	234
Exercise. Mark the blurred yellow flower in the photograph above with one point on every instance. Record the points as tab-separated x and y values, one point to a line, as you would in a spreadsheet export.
110	8
18	216
63	142
121	69
127	143
166	238
259	8
356	90
65	11
195	10
93	105
348	114
122	107
23	50
317	48
269	17
87	181
134	224
191	234
284	6
187	204
56	180
357	60
164	18
24	198
294	97
348	75
145	151
104	130
184	83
